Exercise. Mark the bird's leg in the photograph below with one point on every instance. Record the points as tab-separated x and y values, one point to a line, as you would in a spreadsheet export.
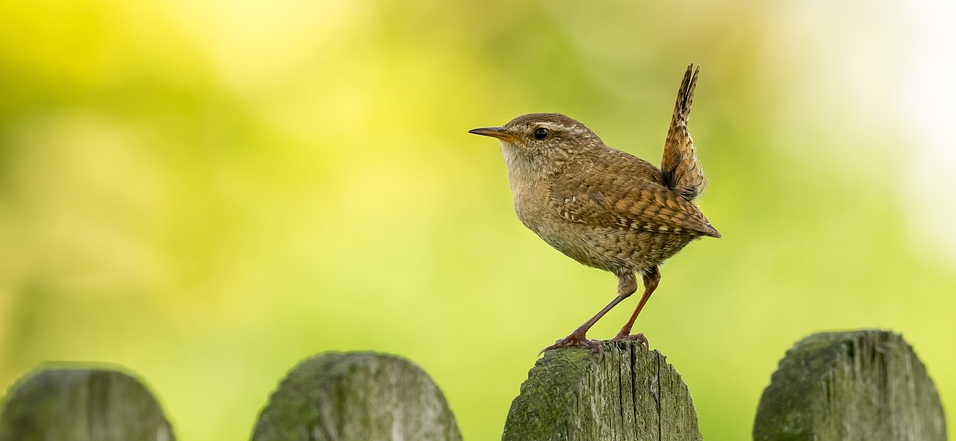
626	285
651	278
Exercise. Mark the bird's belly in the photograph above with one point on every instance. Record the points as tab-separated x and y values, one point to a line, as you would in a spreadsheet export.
611	249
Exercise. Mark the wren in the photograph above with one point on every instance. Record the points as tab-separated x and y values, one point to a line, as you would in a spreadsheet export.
603	207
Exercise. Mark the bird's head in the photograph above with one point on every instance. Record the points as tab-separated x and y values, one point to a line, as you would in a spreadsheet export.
541	140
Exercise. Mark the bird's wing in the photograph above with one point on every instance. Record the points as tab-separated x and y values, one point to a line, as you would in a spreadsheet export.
679	166
626	202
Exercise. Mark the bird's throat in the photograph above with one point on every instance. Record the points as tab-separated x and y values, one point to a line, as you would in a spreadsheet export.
522	170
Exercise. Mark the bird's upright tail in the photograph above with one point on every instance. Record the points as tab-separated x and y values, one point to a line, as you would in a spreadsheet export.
679	165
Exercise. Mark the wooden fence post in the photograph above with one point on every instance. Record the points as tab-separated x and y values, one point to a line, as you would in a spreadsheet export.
81	405
357	396
863	385
630	394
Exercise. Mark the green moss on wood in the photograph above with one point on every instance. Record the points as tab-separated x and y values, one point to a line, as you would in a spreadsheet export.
629	394
356	396
63	403
863	385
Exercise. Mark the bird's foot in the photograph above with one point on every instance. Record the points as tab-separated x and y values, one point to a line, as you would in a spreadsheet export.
633	337
576	339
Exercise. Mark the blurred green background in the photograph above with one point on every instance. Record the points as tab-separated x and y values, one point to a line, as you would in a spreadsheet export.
207	192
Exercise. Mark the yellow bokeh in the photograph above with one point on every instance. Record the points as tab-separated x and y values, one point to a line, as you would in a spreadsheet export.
208	192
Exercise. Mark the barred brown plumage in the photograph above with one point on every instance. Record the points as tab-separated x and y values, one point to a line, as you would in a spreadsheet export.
603	207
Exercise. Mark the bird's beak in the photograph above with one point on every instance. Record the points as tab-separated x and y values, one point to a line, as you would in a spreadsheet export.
494	132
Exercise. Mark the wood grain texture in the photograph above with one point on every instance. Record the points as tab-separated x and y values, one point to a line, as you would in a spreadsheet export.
862	385
629	394
357	396
55	403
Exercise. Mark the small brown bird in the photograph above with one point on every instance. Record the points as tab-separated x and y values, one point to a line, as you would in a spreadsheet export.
603	207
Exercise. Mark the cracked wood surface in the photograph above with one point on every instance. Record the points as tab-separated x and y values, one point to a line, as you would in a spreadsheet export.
860	385
629	394
357	396
80	403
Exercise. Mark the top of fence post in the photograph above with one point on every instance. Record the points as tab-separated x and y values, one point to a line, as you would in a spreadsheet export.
629	394
850	385
357	396
81	403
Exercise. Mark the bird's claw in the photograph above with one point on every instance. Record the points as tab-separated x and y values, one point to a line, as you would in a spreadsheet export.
639	337
576	339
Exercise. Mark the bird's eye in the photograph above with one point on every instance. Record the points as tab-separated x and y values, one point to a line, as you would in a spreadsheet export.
540	133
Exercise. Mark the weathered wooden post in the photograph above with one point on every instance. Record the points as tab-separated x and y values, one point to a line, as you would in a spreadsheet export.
863	385
357	396
630	394
66	403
